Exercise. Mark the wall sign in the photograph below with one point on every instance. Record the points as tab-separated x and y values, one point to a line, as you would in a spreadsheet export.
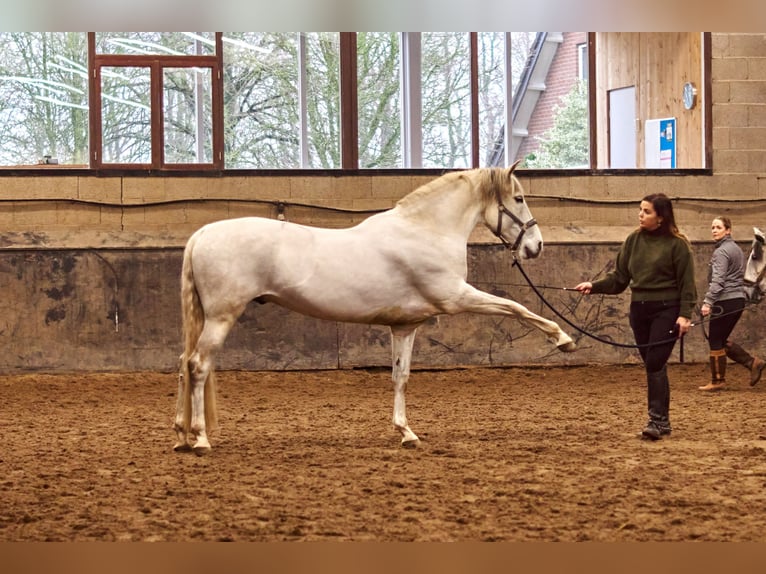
660	143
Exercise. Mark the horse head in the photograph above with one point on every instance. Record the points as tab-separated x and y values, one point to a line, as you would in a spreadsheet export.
509	218
755	270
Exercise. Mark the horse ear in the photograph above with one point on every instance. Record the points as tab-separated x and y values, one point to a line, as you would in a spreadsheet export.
759	236
513	168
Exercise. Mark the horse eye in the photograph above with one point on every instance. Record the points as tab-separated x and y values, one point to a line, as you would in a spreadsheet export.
519	199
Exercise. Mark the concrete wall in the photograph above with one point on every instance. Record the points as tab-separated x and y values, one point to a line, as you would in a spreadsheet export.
75	247
112	310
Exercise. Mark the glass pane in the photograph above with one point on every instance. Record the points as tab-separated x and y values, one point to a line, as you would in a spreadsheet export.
43	98
157	43
446	100
492	115
261	106
557	127
492	87
323	99
188	115
379	100
126	115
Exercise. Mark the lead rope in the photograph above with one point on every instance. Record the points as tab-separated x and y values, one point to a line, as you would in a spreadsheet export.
516	263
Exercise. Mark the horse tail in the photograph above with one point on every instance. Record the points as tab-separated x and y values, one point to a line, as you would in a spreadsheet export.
193	318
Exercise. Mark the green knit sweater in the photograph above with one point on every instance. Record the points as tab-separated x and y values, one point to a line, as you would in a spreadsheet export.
656	268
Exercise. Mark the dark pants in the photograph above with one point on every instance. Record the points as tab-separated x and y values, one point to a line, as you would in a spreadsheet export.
723	319
655	322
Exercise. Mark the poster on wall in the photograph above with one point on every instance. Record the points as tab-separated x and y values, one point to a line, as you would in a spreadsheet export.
660	143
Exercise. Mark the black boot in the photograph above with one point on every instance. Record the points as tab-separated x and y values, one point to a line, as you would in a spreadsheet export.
752	364
658	392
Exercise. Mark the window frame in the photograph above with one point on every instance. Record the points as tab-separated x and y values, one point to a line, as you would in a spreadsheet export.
583	60
156	63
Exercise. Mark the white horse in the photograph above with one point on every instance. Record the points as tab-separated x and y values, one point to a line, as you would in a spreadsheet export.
396	268
755	270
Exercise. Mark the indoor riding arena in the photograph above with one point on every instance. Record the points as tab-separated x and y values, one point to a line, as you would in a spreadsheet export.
519	441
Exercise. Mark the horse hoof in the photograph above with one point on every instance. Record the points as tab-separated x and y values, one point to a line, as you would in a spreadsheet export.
410	443
201	450
568	347
182	447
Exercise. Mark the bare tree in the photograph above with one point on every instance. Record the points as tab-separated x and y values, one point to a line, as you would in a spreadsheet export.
43	97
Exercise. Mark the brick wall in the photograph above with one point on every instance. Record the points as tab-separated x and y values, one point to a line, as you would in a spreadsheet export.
561	77
739	105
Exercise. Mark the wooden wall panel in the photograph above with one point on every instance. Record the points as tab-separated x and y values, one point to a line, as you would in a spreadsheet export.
657	64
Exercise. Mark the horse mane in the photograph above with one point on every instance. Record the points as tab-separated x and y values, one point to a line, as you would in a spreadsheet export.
486	180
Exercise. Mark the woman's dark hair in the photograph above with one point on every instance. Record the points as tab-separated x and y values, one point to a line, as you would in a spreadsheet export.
663	207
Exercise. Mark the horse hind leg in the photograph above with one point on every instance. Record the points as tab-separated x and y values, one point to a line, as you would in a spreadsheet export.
199	370
402	341
202	381
179	426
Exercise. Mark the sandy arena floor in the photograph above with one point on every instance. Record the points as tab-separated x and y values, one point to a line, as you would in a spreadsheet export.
516	454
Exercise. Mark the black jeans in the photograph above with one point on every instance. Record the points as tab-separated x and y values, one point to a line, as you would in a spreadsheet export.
652	322
723	318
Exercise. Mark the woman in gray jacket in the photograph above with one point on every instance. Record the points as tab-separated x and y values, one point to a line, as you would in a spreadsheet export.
724	303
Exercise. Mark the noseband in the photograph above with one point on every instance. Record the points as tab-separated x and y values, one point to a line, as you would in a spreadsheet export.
502	209
756	294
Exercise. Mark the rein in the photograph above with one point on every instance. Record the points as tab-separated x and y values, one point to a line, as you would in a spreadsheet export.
753	298
516	263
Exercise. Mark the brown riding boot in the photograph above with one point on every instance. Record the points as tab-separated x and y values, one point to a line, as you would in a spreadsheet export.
717	371
752	364
755	370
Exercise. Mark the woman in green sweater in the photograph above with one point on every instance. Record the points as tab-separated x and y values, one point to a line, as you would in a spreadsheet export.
656	262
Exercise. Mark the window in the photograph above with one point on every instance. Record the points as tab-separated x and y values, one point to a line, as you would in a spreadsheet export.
379	66
154	100
582	61
261	94
446	98
281	100
641	59
491	82
165	101
551	128
43	98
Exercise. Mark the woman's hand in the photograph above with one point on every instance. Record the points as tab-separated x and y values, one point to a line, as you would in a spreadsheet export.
705	310
585	287
683	325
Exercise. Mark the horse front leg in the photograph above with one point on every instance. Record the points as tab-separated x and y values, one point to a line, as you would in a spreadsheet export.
402	341
475	301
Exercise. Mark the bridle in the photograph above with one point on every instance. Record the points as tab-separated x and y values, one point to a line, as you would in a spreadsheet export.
757	293
502	209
